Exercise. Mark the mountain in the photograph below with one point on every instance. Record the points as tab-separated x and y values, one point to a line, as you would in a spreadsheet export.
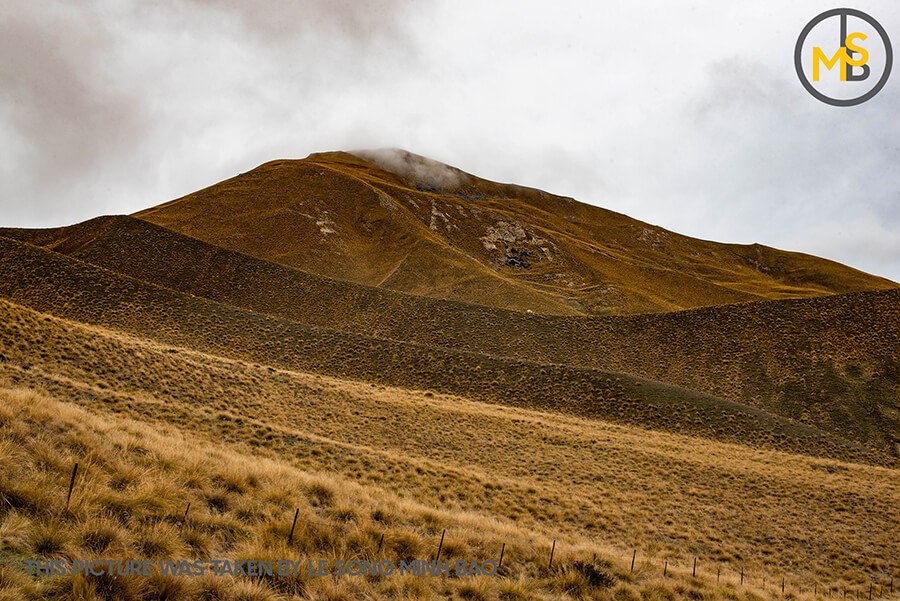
387	350
401	222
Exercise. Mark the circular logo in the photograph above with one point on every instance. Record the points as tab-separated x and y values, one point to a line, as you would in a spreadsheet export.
839	58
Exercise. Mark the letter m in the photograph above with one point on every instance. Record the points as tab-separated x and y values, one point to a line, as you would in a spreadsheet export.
819	55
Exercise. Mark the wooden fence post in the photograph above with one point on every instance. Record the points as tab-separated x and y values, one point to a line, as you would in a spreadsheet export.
502	549
441	545
552	549
633	555
291	535
71	486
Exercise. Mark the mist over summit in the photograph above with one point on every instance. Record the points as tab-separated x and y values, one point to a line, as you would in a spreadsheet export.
423	173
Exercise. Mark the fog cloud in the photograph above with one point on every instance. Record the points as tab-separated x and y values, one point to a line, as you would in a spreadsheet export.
422	172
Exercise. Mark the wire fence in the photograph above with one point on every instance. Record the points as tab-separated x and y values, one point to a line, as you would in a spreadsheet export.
698	567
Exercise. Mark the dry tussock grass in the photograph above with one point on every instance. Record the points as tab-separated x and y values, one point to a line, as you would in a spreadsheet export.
425	462
179	469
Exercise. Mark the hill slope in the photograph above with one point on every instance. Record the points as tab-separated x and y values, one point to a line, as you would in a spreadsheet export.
443	233
229	436
57	284
830	362
365	359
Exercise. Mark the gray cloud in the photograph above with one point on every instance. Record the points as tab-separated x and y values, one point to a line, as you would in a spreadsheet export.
104	101
345	20
66	115
790	174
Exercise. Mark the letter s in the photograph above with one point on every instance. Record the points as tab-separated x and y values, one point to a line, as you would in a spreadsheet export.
853	48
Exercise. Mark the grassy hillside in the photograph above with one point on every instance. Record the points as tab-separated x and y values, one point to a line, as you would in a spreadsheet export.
155	427
154	496
829	362
442	233
55	283
412	361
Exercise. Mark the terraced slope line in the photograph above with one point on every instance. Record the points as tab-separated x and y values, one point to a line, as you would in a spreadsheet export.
54	283
443	233
830	362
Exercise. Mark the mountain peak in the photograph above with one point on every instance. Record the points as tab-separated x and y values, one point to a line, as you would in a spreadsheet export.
397	220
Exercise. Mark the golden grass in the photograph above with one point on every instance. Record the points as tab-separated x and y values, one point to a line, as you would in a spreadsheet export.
177	469
594	486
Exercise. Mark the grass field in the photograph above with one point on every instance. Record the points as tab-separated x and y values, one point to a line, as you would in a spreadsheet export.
520	475
160	493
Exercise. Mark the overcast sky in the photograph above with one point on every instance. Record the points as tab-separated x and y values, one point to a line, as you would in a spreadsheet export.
687	115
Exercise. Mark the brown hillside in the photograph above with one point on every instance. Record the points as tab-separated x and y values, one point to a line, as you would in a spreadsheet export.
207	430
54	283
830	362
443	233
